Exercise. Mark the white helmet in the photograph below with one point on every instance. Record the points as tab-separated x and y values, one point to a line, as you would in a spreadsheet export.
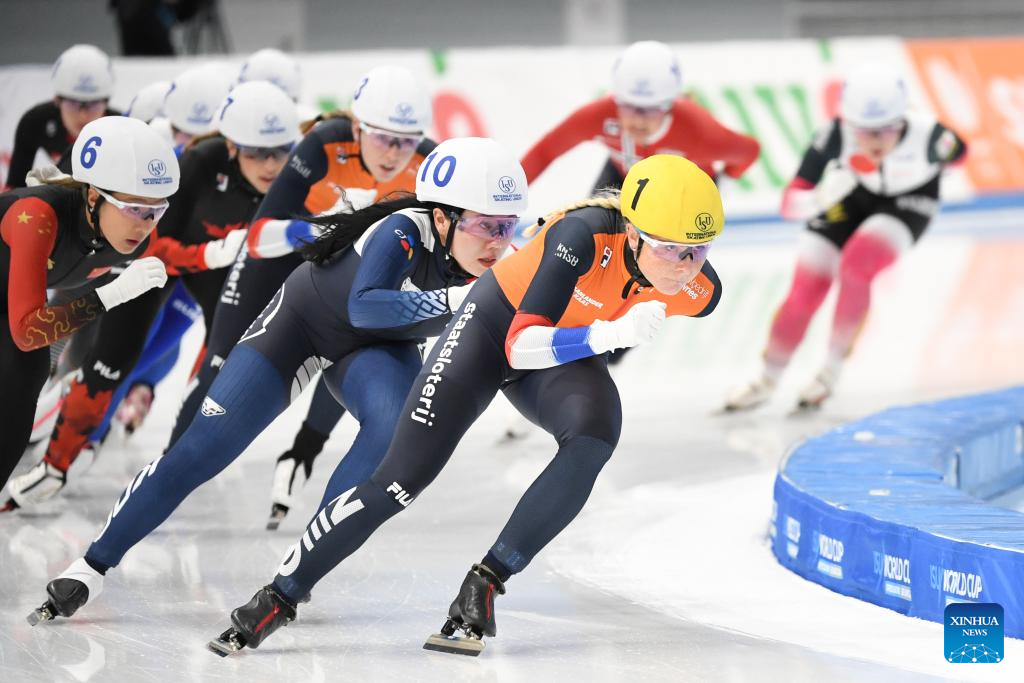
83	72
274	66
390	97
473	173
148	103
874	95
258	114
647	75
122	154
194	97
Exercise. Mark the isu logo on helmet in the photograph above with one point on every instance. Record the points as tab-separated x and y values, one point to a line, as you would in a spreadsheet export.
506	184
200	113
157	168
272	124
86	84
704	221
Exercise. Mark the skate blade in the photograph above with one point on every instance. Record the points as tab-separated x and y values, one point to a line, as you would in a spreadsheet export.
806	408
728	409
454	645
225	644
277	515
41	614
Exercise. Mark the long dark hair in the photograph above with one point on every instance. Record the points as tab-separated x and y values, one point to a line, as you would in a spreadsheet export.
343	229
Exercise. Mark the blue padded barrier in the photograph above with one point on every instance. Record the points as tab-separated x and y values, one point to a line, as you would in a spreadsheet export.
892	508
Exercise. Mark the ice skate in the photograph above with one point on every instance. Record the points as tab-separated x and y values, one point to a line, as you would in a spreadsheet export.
290	475
517	428
750	395
74	588
817	392
134	408
472	612
42	482
253	622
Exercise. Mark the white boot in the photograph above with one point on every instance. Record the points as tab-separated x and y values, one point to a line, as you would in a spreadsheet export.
290	475
818	391
77	586
40	483
750	395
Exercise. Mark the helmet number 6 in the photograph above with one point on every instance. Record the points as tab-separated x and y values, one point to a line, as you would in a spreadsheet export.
88	156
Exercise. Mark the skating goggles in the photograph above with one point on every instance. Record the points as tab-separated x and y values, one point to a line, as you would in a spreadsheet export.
137	212
673	251
90	106
385	139
263	153
882	131
492	228
653	112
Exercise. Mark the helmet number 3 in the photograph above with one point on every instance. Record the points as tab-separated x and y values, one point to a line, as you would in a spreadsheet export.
442	172
640	185
88	156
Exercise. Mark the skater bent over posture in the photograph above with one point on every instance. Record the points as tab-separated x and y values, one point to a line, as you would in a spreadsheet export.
870	186
67	236
599	277
223	180
345	162
83	82
387	276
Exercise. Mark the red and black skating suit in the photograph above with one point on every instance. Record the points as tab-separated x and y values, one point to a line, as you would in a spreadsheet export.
46	242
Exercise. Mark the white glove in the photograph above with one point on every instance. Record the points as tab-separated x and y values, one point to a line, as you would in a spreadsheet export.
640	324
221	253
139	277
836	182
456	295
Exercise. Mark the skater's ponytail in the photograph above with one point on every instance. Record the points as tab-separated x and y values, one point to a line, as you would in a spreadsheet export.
306	126
607	198
342	229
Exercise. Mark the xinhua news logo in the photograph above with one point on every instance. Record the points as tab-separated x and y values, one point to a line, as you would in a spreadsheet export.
974	633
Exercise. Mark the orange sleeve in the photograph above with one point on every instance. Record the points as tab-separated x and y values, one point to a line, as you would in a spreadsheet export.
583	124
29	227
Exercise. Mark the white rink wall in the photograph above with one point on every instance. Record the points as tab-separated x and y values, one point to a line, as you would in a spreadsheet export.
949	316
778	91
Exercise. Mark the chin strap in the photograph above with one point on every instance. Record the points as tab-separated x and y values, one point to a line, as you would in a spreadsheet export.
455	271
636	276
95	240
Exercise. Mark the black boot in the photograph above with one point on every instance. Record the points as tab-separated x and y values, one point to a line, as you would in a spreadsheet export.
472	612
473	609
254	621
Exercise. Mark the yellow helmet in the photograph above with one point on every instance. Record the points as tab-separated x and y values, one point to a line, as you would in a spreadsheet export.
668	196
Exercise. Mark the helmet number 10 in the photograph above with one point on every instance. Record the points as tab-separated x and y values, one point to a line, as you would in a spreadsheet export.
442	172
641	184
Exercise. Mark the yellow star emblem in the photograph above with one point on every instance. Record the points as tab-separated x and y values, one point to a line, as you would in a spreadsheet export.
49	264
24	217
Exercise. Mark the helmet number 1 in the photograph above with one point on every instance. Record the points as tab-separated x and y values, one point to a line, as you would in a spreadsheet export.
88	156
641	184
446	167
